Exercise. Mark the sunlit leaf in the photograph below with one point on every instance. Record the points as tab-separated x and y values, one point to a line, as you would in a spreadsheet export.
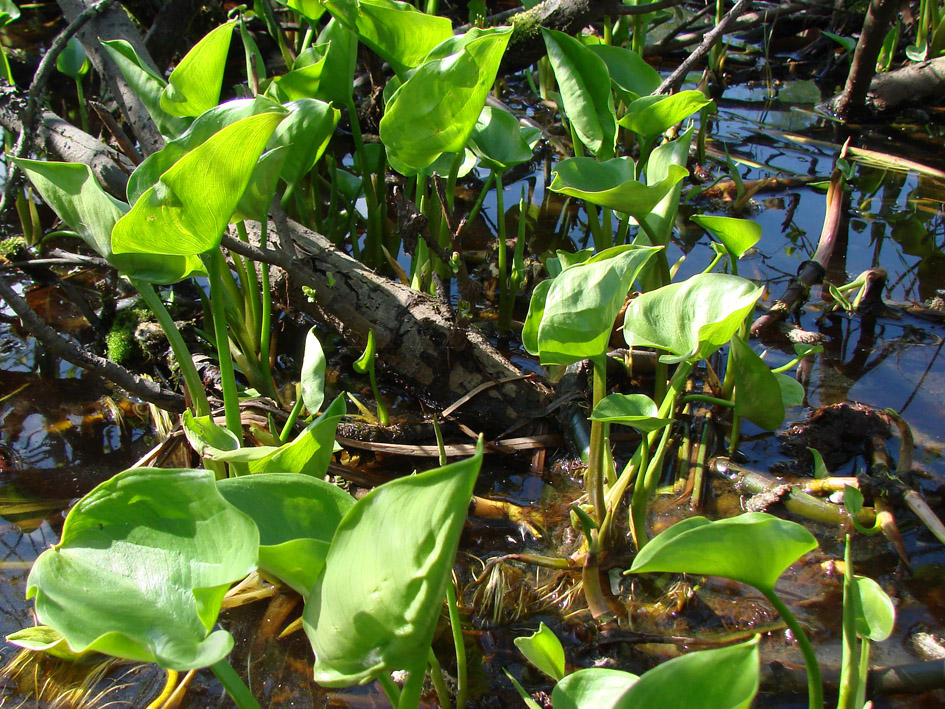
312	378
337	82
296	515
310	452
877	614
497	140
9	12
737	235
649	116
306	132
757	392
72	61
311	10
543	649
596	687
636	410
659	167
377	604
691	319
186	211
628	70
820	468
536	311
42	638
304	78
194	85
766	546
142	567
583	81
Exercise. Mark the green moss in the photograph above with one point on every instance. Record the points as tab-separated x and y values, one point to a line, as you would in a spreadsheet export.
11	244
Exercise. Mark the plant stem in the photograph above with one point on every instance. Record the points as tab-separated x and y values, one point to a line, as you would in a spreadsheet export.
413	685
505	313
593	480
815	690
849	669
290	421
198	397
234	685
460	647
390	689
436	674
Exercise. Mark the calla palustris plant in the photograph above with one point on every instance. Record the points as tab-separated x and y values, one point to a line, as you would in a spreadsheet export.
194	85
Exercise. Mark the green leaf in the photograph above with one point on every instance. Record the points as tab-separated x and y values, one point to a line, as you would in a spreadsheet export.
206	437
72	60
737	235
365	363
71	190
436	109
766	547
595	687
497	140
792	391
194	85
659	167
341	58
9	12
306	132
583	301
649	116
526	697
877	614
536	311
304	79
724	678
377	604
186	212
757	392
397	31
147	84
311	10
142	566
637	410
612	184
312	378
42	638
820	469
585	93
543	649
296	515
691	319
310	452
628	71
257	197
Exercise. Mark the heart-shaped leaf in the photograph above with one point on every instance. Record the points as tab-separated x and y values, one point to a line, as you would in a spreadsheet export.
312	378
596	687
691	319
757	391
766	546
309	452
877	614
649	116
376	606
497	140
737	235
185	212
629	72
72	61
304	79
194	85
305	132
636	410
142	566
296	515
543	649
661	219
584	84
341	58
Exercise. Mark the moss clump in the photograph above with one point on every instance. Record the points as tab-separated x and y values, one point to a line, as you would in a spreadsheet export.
11	244
119	342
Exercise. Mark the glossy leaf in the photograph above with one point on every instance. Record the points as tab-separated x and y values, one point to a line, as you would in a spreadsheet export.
72	61
306	132
497	140
397	31
662	217
596	687
304	78
257	197
723	678
312	378
628	70
194	85
876	613
311	10
612	184
583	301
757	392
42	638
583	81
296	515
436	109
377	604
186	211
792	391
737	235
543	649
636	410
9	12
691	319
71	190
649	116
310	452
341	57
766	546
147	84
142	567
536	311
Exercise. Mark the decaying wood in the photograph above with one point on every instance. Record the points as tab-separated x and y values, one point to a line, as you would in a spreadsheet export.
912	85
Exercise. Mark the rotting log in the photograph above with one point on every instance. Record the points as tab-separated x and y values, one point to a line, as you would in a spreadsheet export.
913	84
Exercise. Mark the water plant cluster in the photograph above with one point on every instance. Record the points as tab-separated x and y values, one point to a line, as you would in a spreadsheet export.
145	560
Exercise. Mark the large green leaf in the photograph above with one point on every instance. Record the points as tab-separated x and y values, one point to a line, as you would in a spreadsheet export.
186	211
497	140
536	311
296	515
876	614
649	116
628	70
397	31
341	58
583	301
757	391
72	61
691	319
309	452
147	85
753	548
306	132
584	83
142	566
304	78
311	10
436	109
194	85
543	649
376	606
636	410
612	184
737	235
312	378
659	167
596	687
71	190
724	678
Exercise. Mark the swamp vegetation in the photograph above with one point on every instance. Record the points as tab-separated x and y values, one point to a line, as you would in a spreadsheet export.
581	354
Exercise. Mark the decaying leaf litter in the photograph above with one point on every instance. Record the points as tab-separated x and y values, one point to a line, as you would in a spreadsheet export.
560	556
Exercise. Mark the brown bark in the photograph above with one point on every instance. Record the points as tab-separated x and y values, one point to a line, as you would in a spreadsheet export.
913	84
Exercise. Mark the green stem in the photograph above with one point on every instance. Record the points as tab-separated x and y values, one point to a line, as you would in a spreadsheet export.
83	113
593	481
436	675
462	685
702	398
290	421
198	396
849	670
505	313
374	240
234	685
382	416
413	685
390	689
474	212
815	690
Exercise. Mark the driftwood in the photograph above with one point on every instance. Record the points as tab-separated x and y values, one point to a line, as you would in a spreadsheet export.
913	84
